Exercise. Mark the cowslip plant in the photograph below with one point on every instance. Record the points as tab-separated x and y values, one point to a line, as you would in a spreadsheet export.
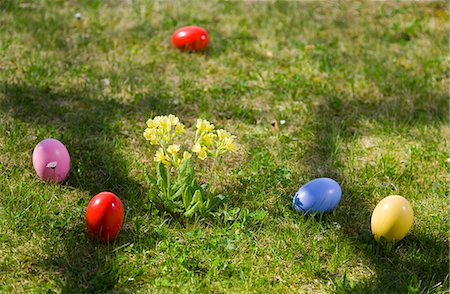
178	190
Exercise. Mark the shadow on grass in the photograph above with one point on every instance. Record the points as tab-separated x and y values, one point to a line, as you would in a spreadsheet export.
90	129
88	266
419	262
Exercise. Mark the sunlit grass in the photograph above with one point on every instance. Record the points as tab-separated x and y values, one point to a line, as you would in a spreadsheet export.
362	88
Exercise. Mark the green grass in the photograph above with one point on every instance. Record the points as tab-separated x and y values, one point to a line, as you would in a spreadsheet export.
363	88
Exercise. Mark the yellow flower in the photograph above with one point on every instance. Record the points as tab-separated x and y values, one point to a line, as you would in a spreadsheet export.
152	123
150	135
223	134
147	133
173	149
165	123
196	148
204	126
160	157
179	129
229	144
208	139
186	155
157	120
173	119
202	153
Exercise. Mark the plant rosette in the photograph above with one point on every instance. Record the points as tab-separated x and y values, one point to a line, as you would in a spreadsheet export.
177	189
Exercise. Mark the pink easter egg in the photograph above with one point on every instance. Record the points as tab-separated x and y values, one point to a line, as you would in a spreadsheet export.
51	160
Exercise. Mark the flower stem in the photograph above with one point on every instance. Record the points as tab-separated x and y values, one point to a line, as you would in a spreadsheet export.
168	183
213	176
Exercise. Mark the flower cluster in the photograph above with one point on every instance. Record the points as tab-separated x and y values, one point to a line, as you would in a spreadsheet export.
176	182
212	143
162	131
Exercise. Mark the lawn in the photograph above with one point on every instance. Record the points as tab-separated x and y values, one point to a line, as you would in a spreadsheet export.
361	88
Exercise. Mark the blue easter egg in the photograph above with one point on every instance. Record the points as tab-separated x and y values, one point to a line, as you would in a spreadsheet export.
319	195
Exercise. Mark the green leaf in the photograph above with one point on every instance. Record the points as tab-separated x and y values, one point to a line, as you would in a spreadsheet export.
170	206
259	215
196	204
191	211
175	187
178	195
195	186
201	205
217	201
161	175
197	197
186	167
187	197
185	176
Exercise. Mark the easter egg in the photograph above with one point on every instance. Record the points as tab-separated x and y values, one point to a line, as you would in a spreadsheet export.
190	38
392	218
51	160
104	216
317	196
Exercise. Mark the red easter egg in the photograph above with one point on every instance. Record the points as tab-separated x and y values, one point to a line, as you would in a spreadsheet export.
191	38
104	216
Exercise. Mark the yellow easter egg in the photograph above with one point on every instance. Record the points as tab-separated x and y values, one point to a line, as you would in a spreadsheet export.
392	218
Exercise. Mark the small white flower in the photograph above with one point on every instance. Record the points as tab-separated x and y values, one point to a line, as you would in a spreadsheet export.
337	225
448	160
318	237
77	15
282	122
106	82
